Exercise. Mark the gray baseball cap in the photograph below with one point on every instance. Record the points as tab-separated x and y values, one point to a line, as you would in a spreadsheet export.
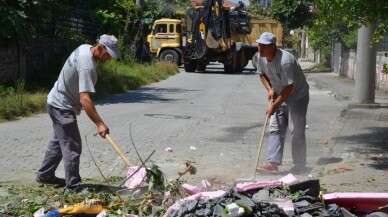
110	42
267	38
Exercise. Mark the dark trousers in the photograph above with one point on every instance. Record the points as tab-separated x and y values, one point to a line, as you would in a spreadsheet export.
66	143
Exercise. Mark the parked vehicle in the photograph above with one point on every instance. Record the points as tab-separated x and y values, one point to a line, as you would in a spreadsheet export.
166	40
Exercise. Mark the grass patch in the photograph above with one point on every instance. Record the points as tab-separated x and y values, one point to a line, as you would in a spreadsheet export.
320	68
23	99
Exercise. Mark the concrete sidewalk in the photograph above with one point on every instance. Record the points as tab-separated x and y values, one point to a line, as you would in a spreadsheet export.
355	158
343	89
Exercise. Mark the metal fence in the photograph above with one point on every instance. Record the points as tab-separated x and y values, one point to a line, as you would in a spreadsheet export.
54	35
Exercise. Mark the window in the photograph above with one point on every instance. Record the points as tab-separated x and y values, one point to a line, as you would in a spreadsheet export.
161	28
171	28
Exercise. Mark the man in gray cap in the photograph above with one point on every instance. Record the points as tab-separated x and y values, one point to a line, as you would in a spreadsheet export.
288	93
71	93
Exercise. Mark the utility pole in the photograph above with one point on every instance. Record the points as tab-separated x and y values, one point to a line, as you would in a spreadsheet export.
365	76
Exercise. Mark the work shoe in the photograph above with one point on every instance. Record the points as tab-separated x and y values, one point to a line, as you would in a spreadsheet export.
52	181
297	169
268	167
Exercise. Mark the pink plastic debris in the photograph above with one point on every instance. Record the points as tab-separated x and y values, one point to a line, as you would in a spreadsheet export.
213	194
183	202
102	214
130	215
289	179
241	187
168	198
206	183
139	179
168	149
191	189
198	196
364	201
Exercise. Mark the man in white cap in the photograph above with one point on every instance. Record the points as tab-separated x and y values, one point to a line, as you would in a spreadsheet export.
71	93
288	93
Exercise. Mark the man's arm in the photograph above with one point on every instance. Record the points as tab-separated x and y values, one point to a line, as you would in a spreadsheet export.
91	111
281	98
265	80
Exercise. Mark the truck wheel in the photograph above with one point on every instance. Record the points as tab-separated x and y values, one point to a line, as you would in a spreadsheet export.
170	56
240	63
201	66
190	66
230	68
255	60
246	62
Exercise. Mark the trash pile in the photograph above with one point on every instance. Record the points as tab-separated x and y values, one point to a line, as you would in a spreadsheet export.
281	198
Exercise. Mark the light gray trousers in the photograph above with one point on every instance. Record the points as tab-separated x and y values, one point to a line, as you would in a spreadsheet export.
292	115
66	143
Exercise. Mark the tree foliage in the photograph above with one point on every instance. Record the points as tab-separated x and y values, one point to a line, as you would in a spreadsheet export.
339	19
256	10
292	14
15	13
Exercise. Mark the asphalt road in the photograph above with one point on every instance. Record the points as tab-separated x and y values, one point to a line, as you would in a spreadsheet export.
211	119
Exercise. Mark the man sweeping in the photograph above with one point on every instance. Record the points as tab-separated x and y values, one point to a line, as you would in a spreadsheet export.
288	91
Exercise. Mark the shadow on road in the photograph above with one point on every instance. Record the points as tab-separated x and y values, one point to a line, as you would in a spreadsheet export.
143	95
374	146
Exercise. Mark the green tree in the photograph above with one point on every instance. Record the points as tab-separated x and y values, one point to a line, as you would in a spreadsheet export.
14	15
292	14
349	15
258	11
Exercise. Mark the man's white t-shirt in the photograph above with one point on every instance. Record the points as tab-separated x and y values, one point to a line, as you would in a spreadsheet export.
78	75
284	70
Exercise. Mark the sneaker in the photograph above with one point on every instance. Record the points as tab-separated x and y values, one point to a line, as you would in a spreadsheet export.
268	167
52	181
296	170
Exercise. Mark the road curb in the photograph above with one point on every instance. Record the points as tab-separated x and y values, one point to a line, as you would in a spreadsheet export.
324	85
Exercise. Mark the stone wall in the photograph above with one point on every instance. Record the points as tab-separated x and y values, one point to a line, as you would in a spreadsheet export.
344	63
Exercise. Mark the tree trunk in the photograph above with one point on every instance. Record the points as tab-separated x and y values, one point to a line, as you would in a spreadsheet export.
365	77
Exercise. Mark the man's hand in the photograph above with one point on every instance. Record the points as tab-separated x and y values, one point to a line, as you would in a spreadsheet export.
271	95
271	109
102	130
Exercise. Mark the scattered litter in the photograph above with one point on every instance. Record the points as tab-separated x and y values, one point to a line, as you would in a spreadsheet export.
137	178
168	149
39	213
289	179
206	183
307	126
88	207
193	148
340	170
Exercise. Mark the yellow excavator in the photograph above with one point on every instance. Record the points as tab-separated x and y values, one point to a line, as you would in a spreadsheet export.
208	37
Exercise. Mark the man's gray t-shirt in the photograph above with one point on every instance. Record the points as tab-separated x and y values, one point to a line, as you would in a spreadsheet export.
78	75
284	70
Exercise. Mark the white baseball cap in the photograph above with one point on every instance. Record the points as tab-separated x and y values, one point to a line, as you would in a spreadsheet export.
110	42
267	38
